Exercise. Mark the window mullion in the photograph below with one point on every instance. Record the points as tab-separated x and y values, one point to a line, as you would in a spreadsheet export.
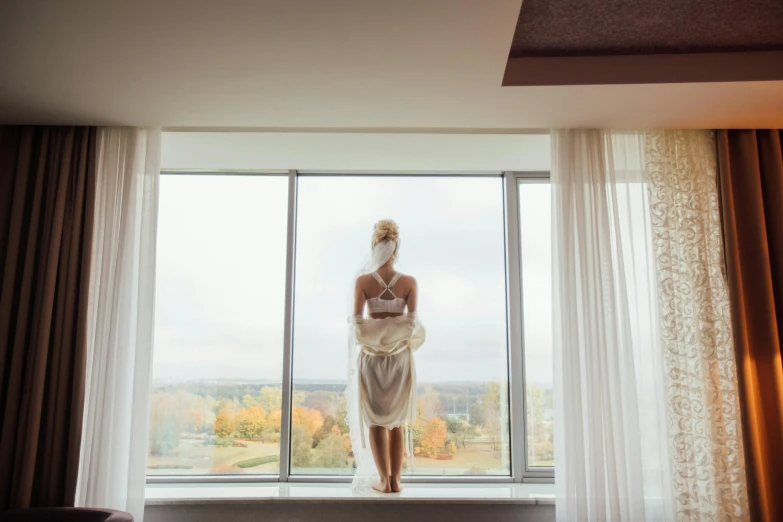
515	181
288	336
514	322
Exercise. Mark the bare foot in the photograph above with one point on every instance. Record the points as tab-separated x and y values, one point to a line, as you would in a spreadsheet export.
396	487
382	486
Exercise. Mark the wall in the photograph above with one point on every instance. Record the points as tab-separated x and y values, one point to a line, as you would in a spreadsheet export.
350	512
355	151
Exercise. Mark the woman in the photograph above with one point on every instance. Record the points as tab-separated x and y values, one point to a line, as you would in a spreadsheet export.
382	391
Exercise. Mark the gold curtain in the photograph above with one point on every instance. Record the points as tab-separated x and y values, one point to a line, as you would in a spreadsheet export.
751	184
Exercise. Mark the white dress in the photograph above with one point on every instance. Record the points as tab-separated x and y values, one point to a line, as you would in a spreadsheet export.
387	384
383	362
386	361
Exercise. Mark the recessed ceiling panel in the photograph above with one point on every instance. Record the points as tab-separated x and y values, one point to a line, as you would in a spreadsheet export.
611	27
674	41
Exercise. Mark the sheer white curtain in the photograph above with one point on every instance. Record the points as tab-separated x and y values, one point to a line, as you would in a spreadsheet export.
112	470
611	458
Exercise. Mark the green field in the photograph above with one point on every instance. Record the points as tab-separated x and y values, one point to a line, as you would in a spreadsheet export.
192	457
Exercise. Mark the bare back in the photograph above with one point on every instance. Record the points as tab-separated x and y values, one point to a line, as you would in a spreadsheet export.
367	287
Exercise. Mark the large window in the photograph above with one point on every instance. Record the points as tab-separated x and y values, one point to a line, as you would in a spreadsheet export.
220	300
253	289
452	242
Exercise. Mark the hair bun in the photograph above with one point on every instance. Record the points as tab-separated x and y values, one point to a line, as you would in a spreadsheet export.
385	229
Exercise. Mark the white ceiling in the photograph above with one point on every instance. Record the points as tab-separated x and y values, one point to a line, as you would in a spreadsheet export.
304	64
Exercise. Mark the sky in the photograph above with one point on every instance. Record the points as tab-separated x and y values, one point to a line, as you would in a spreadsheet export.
220	283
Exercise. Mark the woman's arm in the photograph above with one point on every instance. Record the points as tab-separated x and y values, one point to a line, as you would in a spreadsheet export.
358	299
412	296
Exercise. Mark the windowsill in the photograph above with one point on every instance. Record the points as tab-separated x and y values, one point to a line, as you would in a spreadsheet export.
167	494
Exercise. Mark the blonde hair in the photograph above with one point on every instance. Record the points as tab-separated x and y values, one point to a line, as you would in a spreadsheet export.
387	230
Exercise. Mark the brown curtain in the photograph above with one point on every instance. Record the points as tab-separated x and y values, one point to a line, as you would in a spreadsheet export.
751	182
47	191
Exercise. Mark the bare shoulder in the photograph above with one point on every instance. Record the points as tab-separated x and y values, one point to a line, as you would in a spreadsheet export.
363	279
408	283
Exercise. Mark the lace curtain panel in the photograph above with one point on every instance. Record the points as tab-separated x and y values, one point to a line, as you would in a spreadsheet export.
702	402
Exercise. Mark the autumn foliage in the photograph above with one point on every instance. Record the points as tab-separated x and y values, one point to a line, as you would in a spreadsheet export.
250	422
312	420
319	434
434	439
223	425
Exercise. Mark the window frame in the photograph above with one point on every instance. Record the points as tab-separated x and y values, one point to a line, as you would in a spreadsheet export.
516	326
519	470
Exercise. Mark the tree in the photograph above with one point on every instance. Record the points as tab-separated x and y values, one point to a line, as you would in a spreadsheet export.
329	424
477	413
273	420
491	412
434	439
250	422
226	405
539	425
195	420
248	401
164	425
209	408
223	426
301	447
321	400
348	446
310	419
462	431
429	405
419	427
164	435
270	398
330	452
